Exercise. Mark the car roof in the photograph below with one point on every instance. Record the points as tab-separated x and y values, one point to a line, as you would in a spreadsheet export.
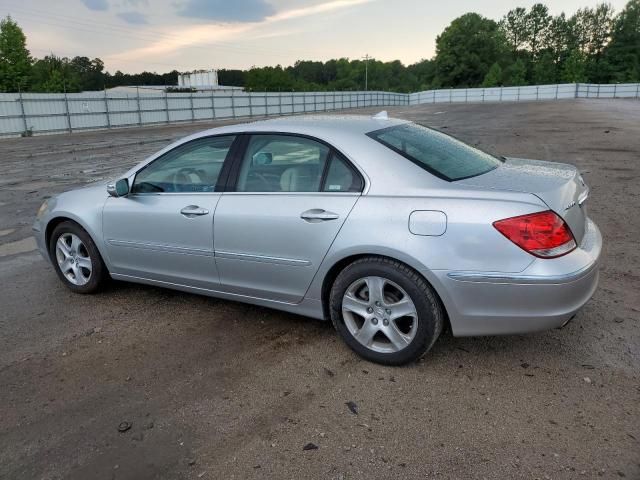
326	126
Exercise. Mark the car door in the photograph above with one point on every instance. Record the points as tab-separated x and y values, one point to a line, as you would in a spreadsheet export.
291	195
163	230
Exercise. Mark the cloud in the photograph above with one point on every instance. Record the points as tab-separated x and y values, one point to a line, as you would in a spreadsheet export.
316	9
134	18
210	34
137	3
227	11
96	4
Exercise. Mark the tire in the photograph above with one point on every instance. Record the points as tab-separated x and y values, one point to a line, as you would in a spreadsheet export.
78	262
394	339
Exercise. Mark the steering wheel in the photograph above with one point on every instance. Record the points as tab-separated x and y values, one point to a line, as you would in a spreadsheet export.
267	185
186	179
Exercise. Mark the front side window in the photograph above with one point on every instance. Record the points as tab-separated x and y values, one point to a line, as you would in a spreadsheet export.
440	154
282	163
189	168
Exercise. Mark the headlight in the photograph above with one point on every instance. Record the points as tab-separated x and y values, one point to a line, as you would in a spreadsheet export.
43	209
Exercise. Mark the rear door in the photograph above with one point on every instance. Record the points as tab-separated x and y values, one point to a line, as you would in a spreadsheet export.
163	230
291	196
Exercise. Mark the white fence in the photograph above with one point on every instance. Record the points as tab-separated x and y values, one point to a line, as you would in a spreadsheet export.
526	93
57	112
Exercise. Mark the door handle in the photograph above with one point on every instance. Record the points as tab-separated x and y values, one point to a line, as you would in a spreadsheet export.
318	215
191	211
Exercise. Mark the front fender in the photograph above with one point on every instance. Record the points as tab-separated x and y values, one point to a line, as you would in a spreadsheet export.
83	206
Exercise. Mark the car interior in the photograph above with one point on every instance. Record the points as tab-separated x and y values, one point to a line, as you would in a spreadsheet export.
194	167
276	163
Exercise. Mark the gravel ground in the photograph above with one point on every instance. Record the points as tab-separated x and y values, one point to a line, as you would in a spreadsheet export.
217	389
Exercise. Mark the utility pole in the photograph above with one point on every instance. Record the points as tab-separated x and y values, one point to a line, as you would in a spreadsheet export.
366	72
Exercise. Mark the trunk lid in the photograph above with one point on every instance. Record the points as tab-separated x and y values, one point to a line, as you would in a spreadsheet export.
559	185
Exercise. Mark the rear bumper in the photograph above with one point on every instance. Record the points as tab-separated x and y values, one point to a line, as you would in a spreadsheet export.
547	294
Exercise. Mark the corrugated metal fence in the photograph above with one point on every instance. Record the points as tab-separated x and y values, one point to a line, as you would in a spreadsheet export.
57	112
51	113
526	93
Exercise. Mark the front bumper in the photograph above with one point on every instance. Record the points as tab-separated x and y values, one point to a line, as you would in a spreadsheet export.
547	294
39	234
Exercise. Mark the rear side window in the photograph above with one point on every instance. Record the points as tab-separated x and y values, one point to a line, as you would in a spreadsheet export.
440	154
341	177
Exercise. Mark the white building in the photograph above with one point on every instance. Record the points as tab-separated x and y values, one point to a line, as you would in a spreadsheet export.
201	80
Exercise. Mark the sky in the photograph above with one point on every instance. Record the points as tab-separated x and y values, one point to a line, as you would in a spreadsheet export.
162	35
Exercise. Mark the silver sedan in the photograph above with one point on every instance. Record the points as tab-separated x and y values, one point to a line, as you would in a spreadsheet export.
391	230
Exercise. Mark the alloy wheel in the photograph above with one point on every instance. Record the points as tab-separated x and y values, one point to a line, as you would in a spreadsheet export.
379	314
73	259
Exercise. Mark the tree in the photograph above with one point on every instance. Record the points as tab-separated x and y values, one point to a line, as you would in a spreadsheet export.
599	31
466	49
538	23
544	70
623	52
54	74
493	78
515	28
231	78
573	70
268	79
89	72
424	72
515	74
15	60
557	40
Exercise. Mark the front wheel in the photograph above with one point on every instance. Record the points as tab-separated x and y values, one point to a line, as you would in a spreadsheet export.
385	311
76	258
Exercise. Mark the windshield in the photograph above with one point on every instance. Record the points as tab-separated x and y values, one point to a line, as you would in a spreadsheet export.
440	154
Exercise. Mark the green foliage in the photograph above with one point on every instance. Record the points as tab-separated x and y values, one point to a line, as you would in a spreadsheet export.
54	74
493	78
515	27
232	78
538	23
515	74
544	70
622	54
15	60
574	68
467	49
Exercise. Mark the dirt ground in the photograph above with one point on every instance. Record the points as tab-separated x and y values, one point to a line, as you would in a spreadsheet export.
217	389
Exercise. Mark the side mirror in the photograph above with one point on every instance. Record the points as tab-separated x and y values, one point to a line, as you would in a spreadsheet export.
118	189
263	158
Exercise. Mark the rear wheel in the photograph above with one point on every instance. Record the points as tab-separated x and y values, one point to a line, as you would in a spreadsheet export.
76	259
385	311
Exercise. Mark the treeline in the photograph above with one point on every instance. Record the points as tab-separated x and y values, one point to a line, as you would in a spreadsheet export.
527	46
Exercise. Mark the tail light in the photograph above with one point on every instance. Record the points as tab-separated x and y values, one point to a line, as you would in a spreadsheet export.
543	234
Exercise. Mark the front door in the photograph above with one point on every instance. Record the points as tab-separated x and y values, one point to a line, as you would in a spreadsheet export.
163	230
291	197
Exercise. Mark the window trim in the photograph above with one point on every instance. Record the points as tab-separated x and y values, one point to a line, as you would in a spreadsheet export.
222	177
232	180
374	135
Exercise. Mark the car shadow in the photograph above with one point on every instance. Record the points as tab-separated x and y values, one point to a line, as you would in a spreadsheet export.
516	348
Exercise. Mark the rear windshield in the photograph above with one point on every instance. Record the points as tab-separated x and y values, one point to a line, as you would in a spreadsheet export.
440	154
